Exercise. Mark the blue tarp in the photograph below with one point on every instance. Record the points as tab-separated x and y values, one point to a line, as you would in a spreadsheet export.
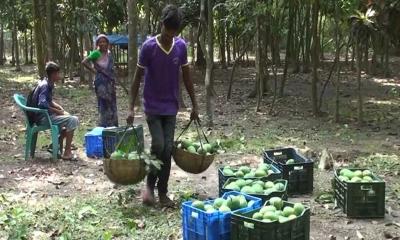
121	40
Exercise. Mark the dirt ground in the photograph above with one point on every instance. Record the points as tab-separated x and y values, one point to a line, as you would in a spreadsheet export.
375	144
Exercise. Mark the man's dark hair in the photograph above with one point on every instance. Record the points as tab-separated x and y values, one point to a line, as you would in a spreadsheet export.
171	17
51	67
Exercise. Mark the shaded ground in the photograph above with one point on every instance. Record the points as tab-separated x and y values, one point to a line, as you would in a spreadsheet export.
64	200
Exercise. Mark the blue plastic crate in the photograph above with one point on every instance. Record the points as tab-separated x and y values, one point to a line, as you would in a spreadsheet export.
94	143
200	225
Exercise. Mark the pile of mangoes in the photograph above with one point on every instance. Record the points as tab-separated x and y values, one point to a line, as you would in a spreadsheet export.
275	211
232	203
262	170
255	186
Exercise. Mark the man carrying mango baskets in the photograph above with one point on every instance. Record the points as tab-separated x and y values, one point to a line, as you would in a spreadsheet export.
161	58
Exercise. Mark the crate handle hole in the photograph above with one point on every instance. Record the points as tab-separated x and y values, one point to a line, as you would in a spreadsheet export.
366	187
278	153
195	215
249	225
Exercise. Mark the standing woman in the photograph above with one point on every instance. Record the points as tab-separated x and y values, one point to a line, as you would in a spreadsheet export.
104	83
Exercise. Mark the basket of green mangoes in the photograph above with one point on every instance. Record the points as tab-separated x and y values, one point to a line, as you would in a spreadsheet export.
128	164
124	169
194	156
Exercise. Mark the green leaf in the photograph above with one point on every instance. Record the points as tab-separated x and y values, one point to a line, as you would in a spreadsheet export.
86	211
107	235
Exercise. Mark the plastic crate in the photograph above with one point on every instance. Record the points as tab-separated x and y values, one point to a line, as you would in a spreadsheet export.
360	200
244	227
264	198
94	143
300	175
111	137
222	178
200	225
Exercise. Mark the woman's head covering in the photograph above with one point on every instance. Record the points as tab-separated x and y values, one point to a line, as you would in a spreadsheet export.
100	37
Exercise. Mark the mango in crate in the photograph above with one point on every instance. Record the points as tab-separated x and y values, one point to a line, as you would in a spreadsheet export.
357	176
272	211
232	203
263	170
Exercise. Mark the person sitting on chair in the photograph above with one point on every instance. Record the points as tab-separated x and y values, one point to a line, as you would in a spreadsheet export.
43	98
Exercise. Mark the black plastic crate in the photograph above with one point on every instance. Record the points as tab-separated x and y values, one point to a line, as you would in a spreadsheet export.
300	175
222	178
282	194
360	199
244	227
111	137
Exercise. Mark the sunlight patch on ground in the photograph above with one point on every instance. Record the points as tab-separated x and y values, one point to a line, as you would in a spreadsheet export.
383	102
387	82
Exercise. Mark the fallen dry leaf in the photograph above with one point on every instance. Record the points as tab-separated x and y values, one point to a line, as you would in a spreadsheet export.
359	235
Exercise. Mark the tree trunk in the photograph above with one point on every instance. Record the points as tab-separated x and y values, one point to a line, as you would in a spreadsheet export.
132	44
337	60
245	48
288	53
38	40
200	60
13	47
147	28
306	59
15	40
228	50
1	44
208	30
321	32
31	46
192	43
359	89
26	47
222	45
50	30
366	57
315	58
296	40
259	64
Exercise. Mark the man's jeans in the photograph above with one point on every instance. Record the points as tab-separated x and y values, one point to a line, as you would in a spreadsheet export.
162	129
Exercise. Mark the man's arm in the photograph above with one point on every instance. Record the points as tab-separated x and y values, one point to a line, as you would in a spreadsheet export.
187	80
56	105
134	92
56	110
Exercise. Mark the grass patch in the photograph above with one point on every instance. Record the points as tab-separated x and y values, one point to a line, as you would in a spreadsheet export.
379	162
86	217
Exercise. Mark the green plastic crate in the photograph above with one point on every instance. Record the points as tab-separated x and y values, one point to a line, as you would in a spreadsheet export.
244	227
360	200
111	137
264	198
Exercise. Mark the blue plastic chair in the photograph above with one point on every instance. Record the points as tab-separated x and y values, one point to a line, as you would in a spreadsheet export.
32	130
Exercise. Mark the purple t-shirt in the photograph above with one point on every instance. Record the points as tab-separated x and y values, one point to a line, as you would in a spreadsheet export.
161	79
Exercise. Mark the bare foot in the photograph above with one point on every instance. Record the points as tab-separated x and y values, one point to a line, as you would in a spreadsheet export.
148	197
165	201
